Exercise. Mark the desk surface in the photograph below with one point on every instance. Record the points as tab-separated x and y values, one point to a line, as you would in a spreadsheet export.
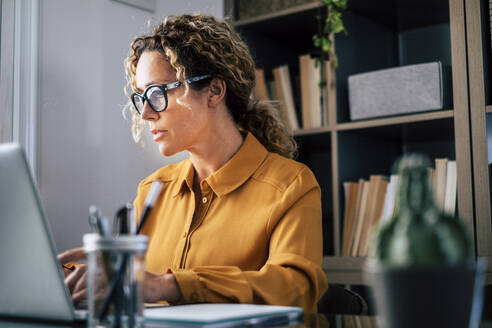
309	321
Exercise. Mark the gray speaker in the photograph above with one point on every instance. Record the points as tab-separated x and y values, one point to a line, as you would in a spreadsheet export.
396	91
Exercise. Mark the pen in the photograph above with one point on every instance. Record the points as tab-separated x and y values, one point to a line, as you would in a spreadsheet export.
100	226
94	223
150	200
97	222
124	220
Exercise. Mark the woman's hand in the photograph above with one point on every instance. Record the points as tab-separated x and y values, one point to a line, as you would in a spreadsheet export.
161	287
157	287
75	280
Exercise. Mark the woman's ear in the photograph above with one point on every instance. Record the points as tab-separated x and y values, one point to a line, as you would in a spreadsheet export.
216	92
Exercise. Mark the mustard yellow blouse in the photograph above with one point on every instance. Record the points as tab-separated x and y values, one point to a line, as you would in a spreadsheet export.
255	236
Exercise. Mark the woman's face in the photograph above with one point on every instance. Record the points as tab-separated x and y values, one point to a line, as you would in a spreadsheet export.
179	127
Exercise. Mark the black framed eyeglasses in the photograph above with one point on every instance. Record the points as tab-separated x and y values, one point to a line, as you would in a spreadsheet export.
156	94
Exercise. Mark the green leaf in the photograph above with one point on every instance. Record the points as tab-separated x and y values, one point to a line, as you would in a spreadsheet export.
338	26
325	45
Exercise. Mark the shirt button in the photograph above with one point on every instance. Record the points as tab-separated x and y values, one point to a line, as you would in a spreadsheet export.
184	235
204	200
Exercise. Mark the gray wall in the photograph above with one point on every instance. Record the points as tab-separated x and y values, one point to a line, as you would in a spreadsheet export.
86	154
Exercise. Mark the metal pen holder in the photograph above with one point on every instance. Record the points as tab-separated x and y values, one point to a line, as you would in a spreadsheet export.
115	280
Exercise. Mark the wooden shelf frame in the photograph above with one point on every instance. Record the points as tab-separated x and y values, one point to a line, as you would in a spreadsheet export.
482	204
410	118
350	270
461	112
379	122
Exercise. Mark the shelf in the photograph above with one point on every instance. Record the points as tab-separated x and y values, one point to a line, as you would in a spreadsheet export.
395	120
344	270
350	270
277	14
397	14
403	14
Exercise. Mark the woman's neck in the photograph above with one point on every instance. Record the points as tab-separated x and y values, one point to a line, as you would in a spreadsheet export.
215	152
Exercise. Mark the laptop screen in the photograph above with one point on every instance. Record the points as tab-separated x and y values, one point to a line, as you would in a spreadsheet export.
31	281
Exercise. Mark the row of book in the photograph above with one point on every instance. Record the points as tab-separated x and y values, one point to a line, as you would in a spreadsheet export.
314	87
368	203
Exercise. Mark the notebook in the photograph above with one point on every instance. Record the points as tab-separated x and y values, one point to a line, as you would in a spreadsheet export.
31	279
223	315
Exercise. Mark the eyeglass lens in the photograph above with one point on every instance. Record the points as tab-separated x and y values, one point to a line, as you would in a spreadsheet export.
138	102
156	98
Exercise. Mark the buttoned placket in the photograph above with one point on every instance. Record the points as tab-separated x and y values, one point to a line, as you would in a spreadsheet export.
201	210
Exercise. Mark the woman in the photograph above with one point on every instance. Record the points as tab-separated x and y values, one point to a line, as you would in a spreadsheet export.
239	221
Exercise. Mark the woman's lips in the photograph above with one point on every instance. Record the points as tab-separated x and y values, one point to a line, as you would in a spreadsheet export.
158	134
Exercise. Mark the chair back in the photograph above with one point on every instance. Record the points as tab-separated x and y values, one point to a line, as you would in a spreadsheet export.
340	300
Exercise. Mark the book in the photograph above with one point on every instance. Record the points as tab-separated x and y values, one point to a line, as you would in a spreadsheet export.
360	217
304	62
272	91
353	227
349	321
377	196
221	315
261	91
372	184
451	188
316	94
277	90
349	215
440	181
366	321
358	321
329	93
311	101
283	88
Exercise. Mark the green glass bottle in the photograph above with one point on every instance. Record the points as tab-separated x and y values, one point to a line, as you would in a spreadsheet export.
419	233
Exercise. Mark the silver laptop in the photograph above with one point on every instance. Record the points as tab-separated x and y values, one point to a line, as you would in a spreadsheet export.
31	278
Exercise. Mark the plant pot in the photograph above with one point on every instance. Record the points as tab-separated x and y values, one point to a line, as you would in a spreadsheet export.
427	297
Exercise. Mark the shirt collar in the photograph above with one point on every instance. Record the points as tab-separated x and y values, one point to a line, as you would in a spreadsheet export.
185	179
233	173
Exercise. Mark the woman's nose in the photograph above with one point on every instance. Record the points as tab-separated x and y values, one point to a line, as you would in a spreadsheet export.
148	114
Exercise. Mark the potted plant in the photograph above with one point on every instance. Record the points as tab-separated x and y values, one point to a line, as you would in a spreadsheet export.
422	268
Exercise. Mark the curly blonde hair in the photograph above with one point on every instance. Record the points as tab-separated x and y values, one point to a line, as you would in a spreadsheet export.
197	45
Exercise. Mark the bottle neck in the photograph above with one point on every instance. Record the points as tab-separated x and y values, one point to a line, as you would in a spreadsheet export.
415	193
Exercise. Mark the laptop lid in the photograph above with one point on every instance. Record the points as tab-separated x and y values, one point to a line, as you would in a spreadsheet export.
31	279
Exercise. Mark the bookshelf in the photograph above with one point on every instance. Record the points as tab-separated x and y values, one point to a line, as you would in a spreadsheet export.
381	34
478	26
